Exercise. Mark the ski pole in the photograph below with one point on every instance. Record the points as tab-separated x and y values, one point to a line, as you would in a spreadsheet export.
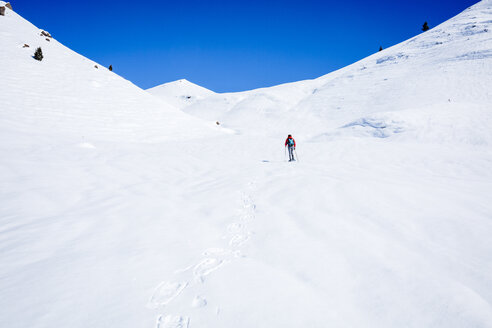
285	153
297	157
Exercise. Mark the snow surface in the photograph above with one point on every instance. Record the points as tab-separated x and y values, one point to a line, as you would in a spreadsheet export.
119	210
180	93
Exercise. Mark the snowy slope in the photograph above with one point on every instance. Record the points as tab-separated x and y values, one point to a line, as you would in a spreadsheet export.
118	210
86	101
448	66
180	93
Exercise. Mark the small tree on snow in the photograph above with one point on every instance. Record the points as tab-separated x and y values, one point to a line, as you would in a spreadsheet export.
38	54
425	27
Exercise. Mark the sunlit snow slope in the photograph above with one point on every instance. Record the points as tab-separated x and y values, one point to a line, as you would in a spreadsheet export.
119	210
447	68
86	101
180	93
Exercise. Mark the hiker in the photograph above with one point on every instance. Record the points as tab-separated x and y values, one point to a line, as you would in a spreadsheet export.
291	143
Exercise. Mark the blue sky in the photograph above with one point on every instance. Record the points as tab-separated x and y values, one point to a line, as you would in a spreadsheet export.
232	45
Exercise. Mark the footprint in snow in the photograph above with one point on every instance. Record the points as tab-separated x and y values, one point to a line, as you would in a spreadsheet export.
222	253
235	227
165	293
199	302
238	240
205	267
172	321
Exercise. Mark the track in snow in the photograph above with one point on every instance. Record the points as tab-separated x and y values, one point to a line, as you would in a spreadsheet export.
238	234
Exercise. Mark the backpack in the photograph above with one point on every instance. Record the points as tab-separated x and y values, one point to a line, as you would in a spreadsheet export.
290	141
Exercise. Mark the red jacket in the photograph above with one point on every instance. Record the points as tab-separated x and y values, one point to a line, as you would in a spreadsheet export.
287	141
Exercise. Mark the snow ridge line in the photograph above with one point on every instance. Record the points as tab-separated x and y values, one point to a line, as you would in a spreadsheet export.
212	259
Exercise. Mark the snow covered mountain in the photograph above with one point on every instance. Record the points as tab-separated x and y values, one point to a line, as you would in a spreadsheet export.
444	72
87	100
119	210
180	93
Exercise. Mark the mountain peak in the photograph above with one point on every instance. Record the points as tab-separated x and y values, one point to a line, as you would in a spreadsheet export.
180	93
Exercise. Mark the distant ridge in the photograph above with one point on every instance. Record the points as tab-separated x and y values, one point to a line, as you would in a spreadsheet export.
448	66
180	93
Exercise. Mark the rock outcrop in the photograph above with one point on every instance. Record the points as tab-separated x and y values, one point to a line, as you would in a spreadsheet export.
46	33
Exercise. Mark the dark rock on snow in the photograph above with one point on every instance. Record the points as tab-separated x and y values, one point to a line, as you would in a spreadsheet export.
45	33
